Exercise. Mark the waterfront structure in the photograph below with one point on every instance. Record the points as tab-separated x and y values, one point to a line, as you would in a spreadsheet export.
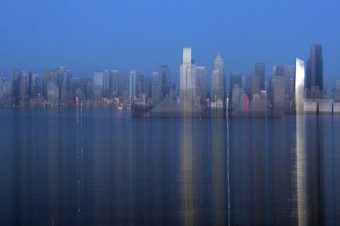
314	73
187	84
299	85
217	92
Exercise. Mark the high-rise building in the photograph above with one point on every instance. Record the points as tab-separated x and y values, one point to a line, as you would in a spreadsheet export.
122	85
50	76
64	83
35	86
187	86
236	91
106	83
164	73
299	85
336	91
98	80
133	85
156	87
277	91
260	74
201	83
314	75
114	83
24	88
235	79
2	81
21	87
217	93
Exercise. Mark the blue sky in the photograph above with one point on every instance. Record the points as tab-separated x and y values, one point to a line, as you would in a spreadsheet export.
89	35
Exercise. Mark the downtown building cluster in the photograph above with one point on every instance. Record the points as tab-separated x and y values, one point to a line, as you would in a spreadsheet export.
290	89
58	88
247	95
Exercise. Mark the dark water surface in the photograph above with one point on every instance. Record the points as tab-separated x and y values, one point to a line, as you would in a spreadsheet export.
100	167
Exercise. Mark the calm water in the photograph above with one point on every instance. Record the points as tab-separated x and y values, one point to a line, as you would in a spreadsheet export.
104	168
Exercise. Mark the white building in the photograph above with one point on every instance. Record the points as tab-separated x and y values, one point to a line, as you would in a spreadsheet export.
188	83
299	86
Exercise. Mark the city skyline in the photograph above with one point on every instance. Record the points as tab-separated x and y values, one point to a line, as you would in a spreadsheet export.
91	36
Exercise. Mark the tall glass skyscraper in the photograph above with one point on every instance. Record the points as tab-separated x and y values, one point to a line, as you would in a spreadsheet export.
187	83
299	85
217	83
314	75
164	73
259	73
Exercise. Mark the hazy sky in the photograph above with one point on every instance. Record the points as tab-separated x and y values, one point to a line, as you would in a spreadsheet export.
89	35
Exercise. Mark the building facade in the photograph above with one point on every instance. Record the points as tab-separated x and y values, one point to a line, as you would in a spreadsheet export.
217	93
187	88
314	73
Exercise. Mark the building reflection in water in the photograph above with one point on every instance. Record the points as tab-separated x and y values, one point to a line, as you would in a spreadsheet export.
186	173
301	177
203	172
219	171
92	168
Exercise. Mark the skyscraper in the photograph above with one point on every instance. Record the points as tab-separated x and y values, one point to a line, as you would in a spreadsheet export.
164	73
21	87
299	85
314	75
277	91
133	85
64	83
114	83
187	77
218	82
202	83
98	79
235	80
50	76
156	87
259	73
106	83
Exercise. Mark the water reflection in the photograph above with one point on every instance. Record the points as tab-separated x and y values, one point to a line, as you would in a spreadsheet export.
104	168
301	185
186	174
219	171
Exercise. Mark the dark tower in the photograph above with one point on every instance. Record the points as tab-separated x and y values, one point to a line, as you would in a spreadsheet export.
314	73
259	72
